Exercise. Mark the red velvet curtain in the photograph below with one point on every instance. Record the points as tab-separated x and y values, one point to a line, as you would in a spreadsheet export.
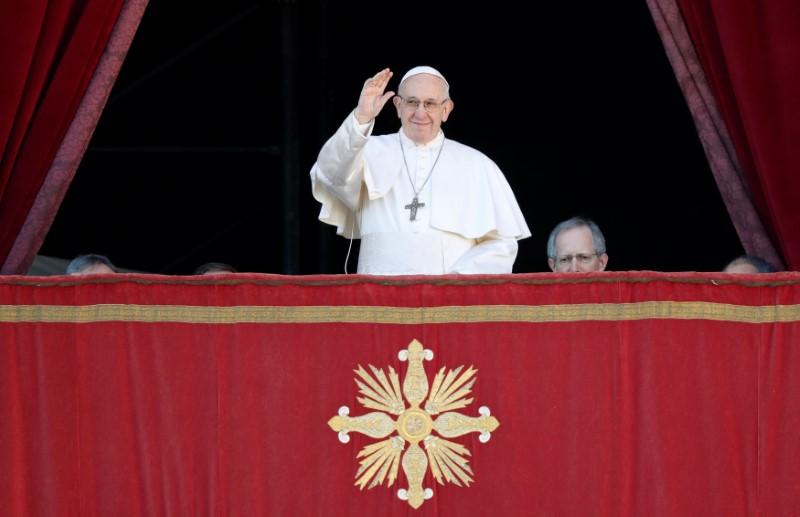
711	129
750	52
49	51
619	394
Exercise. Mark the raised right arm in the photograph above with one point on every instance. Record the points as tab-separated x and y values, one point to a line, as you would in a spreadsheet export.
340	168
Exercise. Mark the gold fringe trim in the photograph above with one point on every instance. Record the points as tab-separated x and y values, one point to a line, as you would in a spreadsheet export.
400	315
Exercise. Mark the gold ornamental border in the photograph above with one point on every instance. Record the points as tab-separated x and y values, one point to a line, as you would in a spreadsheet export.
400	315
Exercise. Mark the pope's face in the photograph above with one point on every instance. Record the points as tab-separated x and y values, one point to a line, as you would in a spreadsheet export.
575	252
422	124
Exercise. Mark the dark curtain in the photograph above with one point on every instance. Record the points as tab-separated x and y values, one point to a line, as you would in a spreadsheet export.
618	394
747	55
49	56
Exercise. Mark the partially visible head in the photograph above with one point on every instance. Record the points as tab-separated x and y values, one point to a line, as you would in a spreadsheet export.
749	264
90	264
214	268
423	103
576	245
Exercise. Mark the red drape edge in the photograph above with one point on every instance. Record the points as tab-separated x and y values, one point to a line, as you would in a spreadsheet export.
712	130
32	227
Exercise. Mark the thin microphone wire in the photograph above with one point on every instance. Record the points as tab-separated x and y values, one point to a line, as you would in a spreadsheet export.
353	231
349	246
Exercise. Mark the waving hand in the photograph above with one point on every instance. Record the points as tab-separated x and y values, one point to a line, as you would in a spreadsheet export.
373	98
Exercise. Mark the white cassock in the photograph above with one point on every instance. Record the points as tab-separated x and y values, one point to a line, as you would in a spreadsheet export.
470	222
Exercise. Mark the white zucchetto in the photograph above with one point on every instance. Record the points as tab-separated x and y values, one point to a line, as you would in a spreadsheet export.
424	70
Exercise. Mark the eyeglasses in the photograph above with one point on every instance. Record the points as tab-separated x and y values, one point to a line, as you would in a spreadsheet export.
413	104
582	258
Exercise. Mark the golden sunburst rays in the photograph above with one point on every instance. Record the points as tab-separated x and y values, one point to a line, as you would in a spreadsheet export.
379	392
414	426
448	461
450	392
380	459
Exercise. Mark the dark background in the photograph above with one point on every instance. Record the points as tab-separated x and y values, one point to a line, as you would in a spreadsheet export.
205	145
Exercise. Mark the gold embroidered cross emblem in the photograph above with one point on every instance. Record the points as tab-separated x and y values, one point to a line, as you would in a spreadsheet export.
447	460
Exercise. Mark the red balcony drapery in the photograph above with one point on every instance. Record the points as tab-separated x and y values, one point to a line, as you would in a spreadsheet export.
58	62
736	63
616	393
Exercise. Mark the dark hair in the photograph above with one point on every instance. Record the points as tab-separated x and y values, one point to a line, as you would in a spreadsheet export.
83	262
214	267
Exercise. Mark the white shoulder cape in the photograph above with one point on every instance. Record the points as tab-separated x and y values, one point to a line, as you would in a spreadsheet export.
472	197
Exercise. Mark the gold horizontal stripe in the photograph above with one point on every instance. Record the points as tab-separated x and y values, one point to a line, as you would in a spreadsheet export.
399	315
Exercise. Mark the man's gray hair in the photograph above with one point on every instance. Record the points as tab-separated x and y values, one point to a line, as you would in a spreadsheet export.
82	262
761	265
598	241
214	267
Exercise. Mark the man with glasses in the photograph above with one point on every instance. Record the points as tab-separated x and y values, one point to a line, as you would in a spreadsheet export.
576	246
420	203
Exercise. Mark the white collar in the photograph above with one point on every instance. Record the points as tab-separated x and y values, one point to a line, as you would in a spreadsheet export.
410	144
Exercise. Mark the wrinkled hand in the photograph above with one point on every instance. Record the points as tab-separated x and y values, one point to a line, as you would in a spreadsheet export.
372	98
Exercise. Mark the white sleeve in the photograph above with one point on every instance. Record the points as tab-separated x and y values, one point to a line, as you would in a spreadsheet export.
337	176
491	255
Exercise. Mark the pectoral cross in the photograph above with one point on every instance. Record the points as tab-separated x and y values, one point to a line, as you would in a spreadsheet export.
413	206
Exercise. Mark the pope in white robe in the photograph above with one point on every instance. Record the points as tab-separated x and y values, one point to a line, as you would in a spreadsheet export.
420	203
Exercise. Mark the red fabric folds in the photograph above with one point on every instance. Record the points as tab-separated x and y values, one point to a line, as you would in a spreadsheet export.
616	393
711	129
48	55
750	53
